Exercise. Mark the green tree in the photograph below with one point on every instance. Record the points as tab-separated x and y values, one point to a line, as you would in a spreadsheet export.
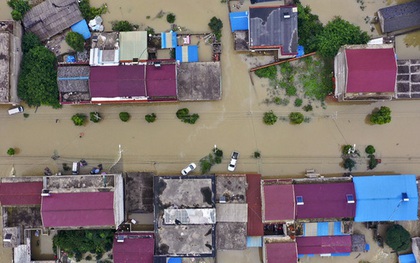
349	164
307	108
170	18
123	26
79	119
11	151
381	116
268	72
20	7
30	41
95	116
150	117
38	78
373	162
270	118
124	116
89	12
216	26
75	41
296	117
182	113
370	149
257	154
346	149
336	33
398	238
298	102
309	28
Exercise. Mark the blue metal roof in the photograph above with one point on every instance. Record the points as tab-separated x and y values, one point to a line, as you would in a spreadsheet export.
186	53
409	258
380	198
253	241
238	21
169	39
175	260
325	229
82	28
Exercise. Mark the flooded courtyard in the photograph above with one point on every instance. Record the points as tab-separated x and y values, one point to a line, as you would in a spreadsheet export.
233	123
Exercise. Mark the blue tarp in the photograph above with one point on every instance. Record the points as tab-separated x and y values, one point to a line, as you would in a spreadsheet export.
253	241
169	39
186	53
409	258
82	28
175	260
300	51
239	21
380	198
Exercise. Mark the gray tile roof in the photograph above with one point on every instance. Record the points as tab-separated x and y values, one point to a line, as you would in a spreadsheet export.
52	17
400	17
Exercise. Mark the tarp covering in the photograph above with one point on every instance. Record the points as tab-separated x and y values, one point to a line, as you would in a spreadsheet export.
82	28
409	258
186	53
380	198
169	39
238	21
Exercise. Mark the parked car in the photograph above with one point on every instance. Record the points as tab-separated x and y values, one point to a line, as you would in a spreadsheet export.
15	110
191	167
233	160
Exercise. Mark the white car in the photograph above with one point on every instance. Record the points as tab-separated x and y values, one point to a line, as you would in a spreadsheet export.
189	168
233	160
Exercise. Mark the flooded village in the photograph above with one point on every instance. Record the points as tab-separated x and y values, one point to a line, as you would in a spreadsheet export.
291	196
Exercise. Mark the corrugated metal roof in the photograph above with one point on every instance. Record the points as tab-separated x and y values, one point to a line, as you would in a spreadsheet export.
371	70
327	200
238	21
87	209
133	45
253	197
279	202
379	198
28	193
161	81
169	39
399	17
186	53
137	247
323	245
286	251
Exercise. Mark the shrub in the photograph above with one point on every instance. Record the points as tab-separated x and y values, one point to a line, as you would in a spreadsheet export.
373	162
280	101
298	102
349	164
88	257
205	166
216	26
20	7
270	118
170	18
29	41
123	26
307	108
184	116
78	256
78	119
268	72
398	238
95	116
11	151
218	159
150	117
75	41
124	116
291	90
346	149
381	116
218	153
296	117
370	149
257	155
182	113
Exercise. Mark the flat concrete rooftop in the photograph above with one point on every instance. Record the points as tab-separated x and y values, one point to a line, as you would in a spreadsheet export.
78	183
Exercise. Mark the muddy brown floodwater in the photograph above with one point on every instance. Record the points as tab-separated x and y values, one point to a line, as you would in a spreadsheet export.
233	123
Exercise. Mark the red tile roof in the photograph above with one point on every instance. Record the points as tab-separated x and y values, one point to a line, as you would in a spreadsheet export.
117	81
371	70
135	248
279	202
253	197
20	193
286	251
324	244
161	82
325	200
88	209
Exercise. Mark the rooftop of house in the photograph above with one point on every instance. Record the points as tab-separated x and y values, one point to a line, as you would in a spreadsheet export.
273	27
133	247
231	236
105	40
20	193
52	17
73	79
199	81
278	201
325	200
139	192
253	196
4	66
133	45
399	17
28	217
324	245
231	189
79	183
287	251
